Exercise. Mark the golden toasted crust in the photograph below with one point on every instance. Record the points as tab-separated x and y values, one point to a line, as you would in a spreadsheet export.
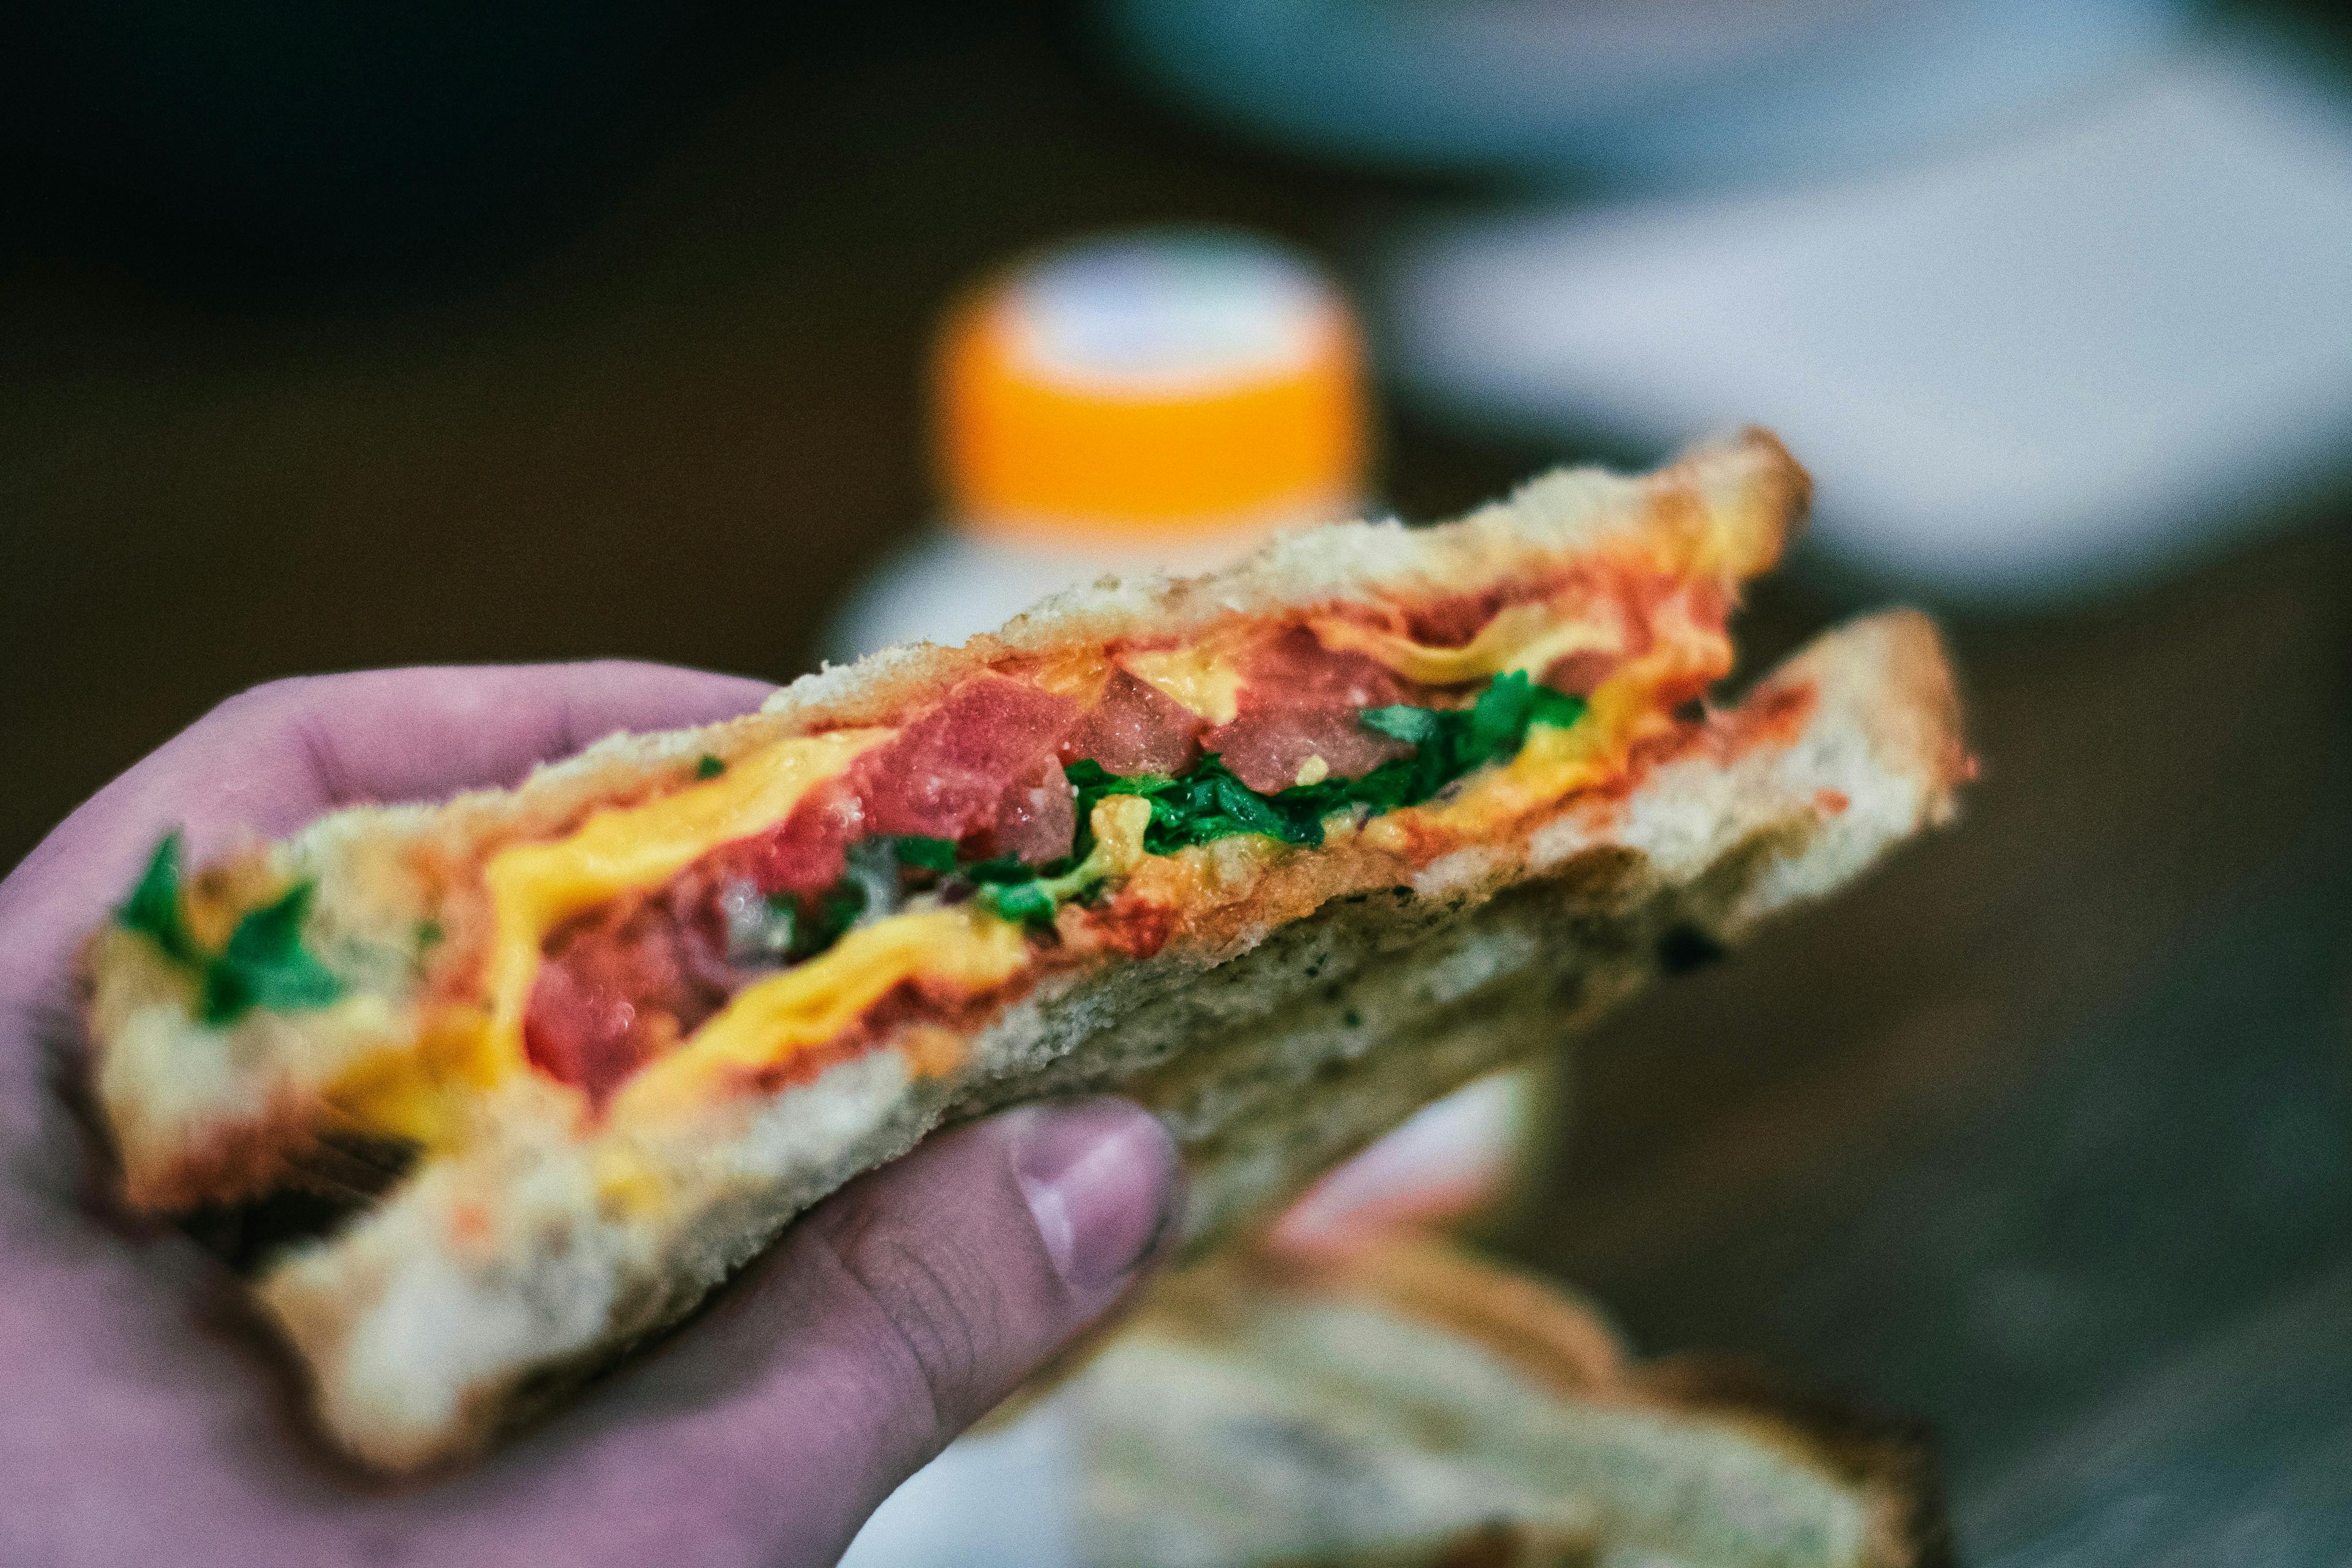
1922	716
1303	1020
1559	1340
1562	1342
1637	1453
1747	479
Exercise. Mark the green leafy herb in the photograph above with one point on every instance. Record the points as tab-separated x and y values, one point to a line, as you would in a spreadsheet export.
264	964
1557	708
429	933
1448	743
710	767
926	854
1032	894
1207	802
1413	726
834	914
153	908
1008	868
1031	901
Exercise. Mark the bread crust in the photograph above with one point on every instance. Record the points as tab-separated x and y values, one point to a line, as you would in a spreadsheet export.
1882	1467
530	1262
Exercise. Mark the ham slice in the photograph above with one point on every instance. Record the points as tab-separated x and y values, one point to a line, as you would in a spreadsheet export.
1275	748
1133	728
801	855
1036	818
946	774
623	986
1300	701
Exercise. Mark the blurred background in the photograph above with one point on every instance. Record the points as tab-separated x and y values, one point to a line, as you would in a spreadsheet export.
337	336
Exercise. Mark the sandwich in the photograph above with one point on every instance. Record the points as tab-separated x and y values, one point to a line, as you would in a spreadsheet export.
1405	1405
1284	852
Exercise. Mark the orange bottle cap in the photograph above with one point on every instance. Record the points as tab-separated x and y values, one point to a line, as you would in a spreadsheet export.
1151	384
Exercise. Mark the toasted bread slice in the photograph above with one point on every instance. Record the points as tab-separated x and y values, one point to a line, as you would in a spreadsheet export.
1408	1405
548	1209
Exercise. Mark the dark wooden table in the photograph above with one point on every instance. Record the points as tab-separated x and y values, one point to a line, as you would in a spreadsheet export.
2042	1133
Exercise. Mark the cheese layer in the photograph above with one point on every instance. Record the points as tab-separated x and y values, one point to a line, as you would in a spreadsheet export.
534	888
958	951
962	951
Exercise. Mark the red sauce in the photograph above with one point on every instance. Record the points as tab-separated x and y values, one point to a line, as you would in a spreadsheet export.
1580	674
1456	619
1774	715
1132	928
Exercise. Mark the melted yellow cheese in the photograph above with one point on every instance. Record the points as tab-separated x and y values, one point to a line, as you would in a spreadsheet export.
964	949
1196	678
1077	673
1118	823
418	1090
1529	638
767	1024
534	888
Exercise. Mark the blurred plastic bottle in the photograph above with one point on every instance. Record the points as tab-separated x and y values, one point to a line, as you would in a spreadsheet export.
1162	400
1155	400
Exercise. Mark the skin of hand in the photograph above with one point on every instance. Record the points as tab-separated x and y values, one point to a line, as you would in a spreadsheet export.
144	1420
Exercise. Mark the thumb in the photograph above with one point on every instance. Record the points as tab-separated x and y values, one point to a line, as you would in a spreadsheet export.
893	1315
966	1265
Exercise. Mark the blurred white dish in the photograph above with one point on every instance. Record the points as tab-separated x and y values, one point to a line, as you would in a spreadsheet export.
2050	366
1639	92
1001	1499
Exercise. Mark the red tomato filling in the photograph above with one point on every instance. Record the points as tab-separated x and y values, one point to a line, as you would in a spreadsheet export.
623	984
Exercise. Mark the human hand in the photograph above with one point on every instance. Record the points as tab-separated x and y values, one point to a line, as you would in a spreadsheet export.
142	1420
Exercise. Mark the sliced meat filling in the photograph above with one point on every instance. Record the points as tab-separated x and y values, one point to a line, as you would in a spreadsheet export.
981	796
1302	720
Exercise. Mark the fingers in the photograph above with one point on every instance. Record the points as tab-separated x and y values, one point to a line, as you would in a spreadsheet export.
271	758
892	1317
413	734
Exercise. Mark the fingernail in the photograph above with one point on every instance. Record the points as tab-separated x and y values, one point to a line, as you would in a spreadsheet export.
1102	1182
